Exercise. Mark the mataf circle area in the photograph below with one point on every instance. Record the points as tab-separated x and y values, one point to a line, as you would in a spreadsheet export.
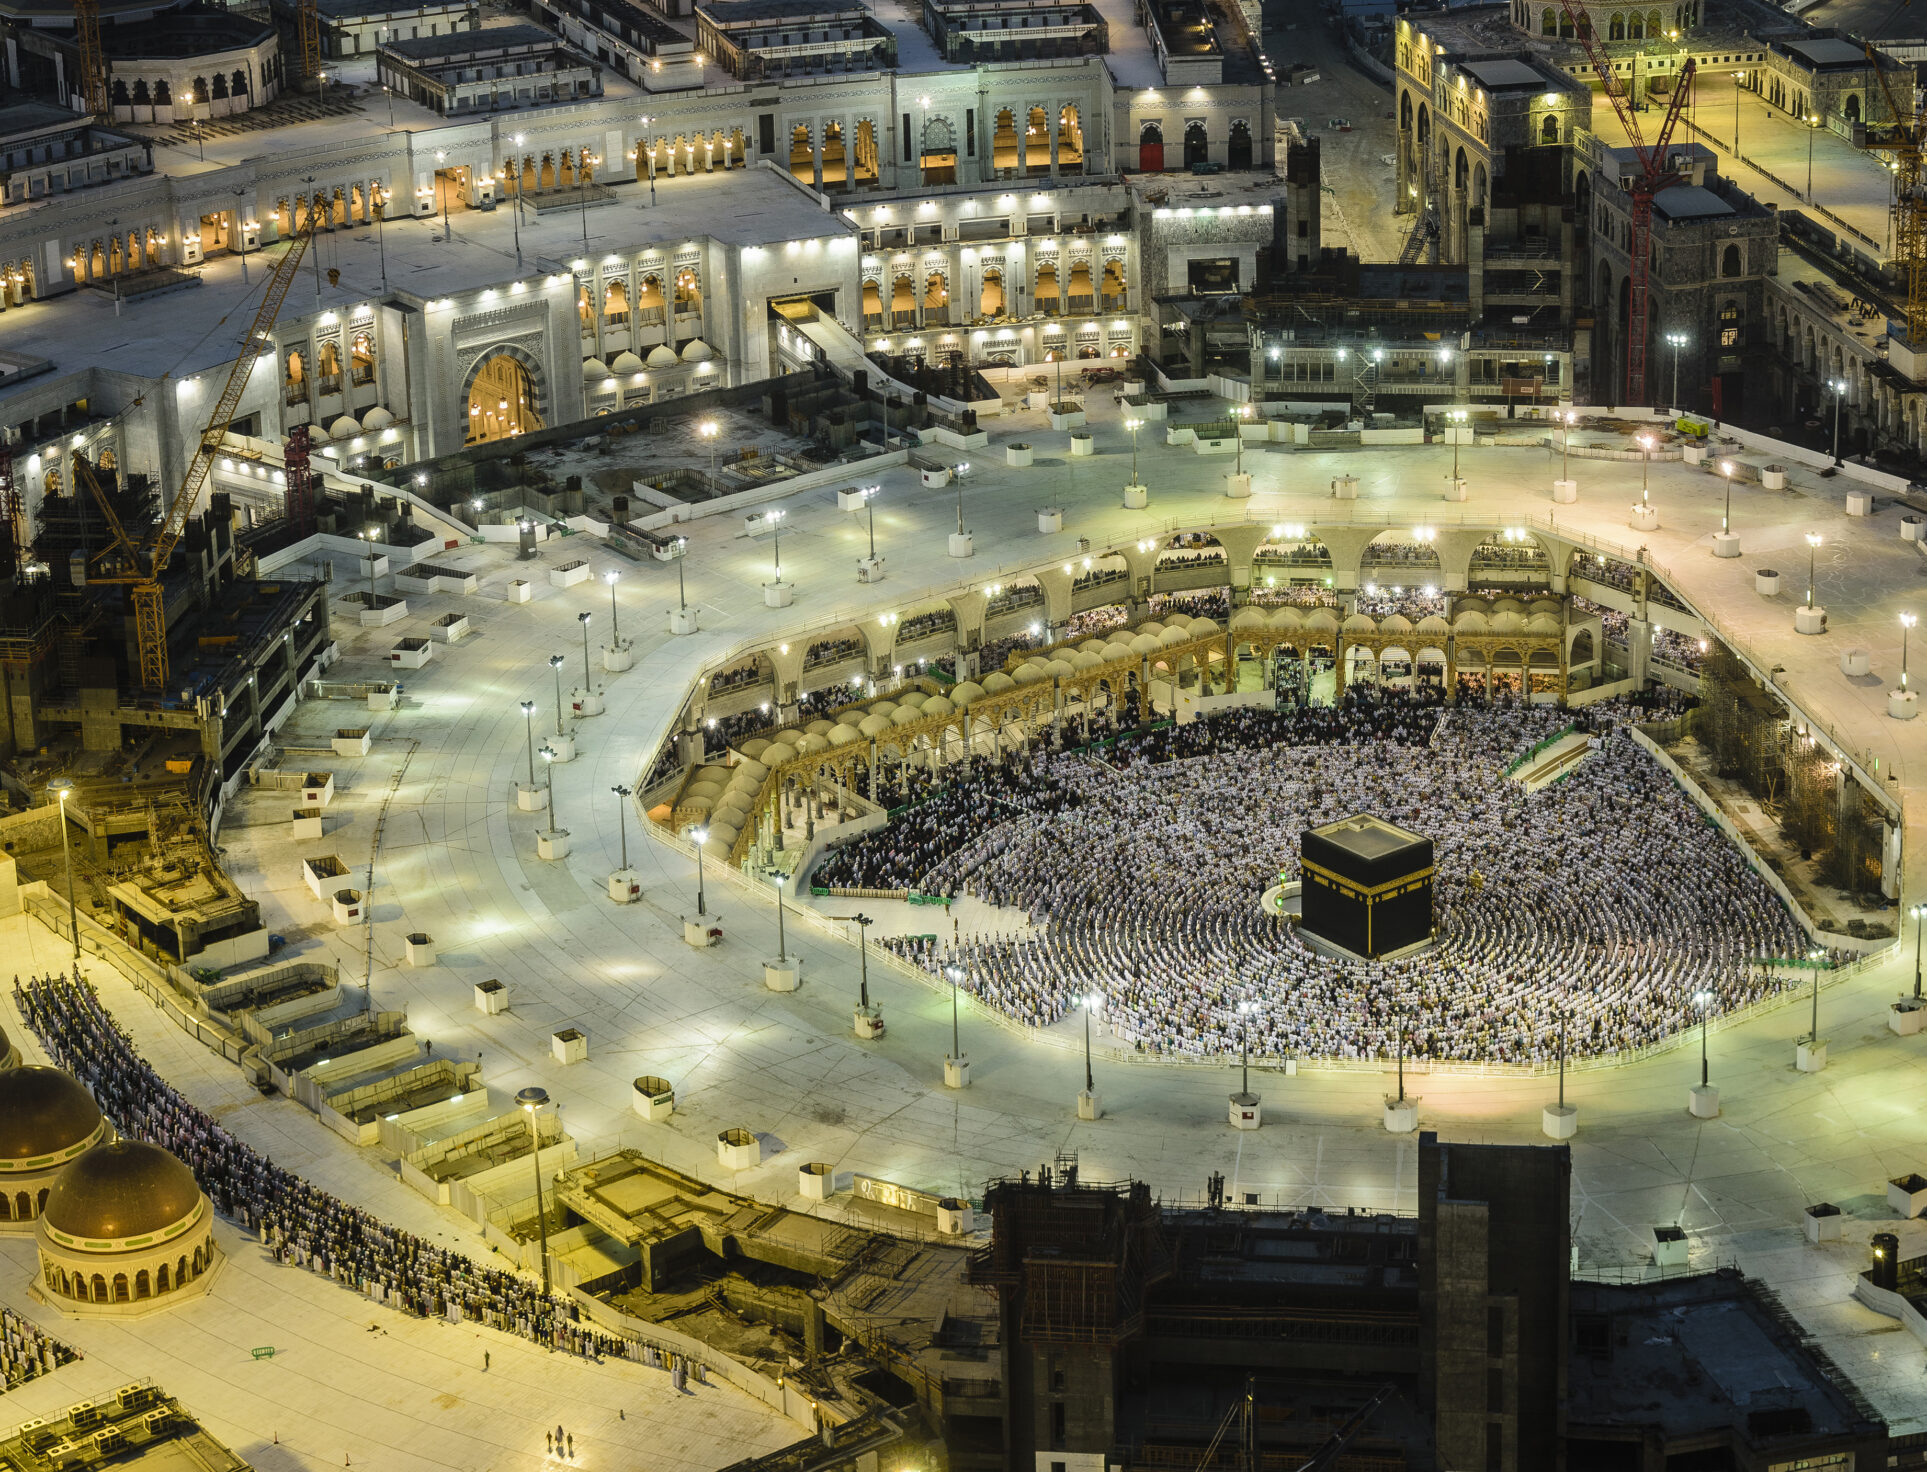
1601	900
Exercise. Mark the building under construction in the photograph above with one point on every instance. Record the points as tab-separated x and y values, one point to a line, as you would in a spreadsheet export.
149	766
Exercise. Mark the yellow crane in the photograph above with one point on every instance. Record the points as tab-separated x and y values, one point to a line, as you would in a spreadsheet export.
93	62
141	567
1903	146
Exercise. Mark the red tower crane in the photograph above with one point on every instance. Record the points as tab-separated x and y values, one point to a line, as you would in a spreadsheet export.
1653	176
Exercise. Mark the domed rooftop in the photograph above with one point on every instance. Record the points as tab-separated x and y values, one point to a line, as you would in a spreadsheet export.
43	1111
126	1189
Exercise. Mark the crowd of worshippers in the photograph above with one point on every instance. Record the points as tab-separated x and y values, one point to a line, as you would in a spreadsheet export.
1603	901
28	1351
299	1223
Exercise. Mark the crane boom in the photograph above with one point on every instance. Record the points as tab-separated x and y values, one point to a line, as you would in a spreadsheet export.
1910	198
1653	177
150	617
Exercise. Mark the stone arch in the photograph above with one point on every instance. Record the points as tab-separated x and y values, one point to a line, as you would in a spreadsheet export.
1549	128
1150	148
1238	149
1197	143
533	376
1850	107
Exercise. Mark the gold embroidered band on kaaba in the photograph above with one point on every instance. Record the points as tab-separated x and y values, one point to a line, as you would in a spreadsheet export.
1361	892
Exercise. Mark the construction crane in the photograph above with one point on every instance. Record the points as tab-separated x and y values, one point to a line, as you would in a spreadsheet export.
93	61
1903	143
307	21
141	567
1653	176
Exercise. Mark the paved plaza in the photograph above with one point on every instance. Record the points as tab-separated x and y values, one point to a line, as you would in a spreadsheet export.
459	862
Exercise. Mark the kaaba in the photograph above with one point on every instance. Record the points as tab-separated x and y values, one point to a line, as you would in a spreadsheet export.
1367	886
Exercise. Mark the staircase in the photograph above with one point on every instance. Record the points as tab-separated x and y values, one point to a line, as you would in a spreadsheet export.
1365	384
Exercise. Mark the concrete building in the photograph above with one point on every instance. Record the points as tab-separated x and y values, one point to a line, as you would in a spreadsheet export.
505	68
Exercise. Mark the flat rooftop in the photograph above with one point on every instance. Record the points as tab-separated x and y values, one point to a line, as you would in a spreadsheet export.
1827	51
1697	1354
495	40
1691	202
183	333
1506	75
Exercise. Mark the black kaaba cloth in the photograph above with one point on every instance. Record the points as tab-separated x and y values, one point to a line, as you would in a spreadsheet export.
1367	885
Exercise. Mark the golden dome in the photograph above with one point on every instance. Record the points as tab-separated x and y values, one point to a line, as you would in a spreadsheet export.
126	1189
43	1111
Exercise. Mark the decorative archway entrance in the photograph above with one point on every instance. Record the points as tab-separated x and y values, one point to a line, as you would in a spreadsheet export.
504	394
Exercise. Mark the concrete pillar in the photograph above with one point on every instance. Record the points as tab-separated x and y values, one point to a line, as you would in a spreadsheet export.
787	662
1240	547
1475	263
1639	649
1056	585
879	645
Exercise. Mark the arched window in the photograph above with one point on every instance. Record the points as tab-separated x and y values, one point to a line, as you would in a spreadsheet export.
297	377
689	290
649	299
991	303
238	84
1046	293
161	1284
1549	129
1616	27
141	97
1197	144
329	366
1730	261
1548	22
143	1284
363	359
872	304
615	303
1850	109
1150	148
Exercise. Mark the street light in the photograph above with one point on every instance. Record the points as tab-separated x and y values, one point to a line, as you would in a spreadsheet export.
1920	924
368	536
532	1098
1092	1002
955	974
548	772
1738	78
699	836
707	429
1245	1009
775	520
1813	547
682	551
622	819
1726	515
528	727
1676	340
62	787
1457	416
1244	413
782	947
649	149
1565	447
1813	126
1839	388
612	577
1907	621
588	677
1134	425
1704	1001
561	726
870	507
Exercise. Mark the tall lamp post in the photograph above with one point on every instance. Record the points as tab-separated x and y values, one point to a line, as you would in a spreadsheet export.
707	429
648	150
1738	79
1237	428
1245	1009
1645	443
622	818
1565	446
1676	341
775	520
548	773
682	595
782	946
1704	1001
441	186
954	973
62	788
1920	924
1838	387
612	577
588	675
1813	548
555	663
1907	621
532	1098
1457	416
1134	425
1813	126
870	509
699	836
528	728
1093	1002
